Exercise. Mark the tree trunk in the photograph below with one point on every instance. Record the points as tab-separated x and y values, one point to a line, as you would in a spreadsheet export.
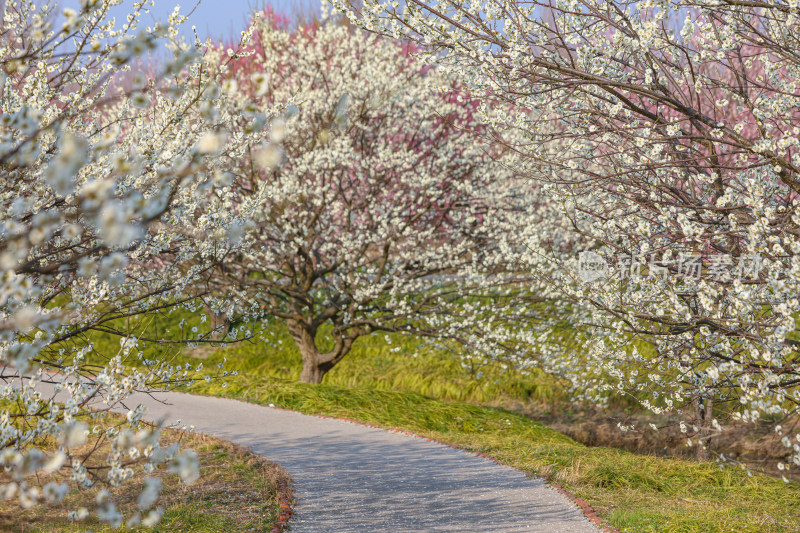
704	413
313	372
315	363
218	322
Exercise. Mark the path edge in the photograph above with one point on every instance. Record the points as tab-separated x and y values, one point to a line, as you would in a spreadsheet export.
588	511
582	504
286	504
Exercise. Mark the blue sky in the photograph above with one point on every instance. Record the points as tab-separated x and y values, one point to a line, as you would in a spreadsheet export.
213	18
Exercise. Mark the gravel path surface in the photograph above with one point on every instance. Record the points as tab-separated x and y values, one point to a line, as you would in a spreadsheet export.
352	478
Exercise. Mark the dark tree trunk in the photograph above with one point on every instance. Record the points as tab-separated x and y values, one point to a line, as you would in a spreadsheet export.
704	414
315	363
313	372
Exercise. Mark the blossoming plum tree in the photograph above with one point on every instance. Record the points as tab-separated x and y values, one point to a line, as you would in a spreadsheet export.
390	211
97	189
671	131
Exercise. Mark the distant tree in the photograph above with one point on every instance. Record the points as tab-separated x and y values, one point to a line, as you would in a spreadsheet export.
389	212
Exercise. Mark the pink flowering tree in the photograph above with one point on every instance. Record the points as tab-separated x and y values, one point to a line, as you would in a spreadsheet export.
389	211
671	131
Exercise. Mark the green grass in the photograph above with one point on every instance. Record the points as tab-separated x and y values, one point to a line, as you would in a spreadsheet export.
632	492
379	361
398	382
392	362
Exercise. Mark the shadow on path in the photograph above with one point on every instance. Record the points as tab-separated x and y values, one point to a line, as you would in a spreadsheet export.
352	478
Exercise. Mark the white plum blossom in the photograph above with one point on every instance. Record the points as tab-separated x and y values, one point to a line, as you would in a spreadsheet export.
112	206
667	129
392	210
149	496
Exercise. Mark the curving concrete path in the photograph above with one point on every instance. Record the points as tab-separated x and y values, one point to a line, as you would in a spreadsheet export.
352	478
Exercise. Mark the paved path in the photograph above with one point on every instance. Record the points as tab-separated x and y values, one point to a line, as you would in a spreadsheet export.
352	478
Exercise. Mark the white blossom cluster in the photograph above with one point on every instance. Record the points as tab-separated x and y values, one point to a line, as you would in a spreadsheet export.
666	129
114	144
393	209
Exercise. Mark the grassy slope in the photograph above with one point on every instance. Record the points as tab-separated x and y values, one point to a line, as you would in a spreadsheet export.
396	382
387	362
632	492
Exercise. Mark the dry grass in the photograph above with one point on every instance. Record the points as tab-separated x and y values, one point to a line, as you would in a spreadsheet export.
237	491
757	446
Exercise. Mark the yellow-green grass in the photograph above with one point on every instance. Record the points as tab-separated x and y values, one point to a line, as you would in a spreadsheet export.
237	492
631	492
379	361
400	382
